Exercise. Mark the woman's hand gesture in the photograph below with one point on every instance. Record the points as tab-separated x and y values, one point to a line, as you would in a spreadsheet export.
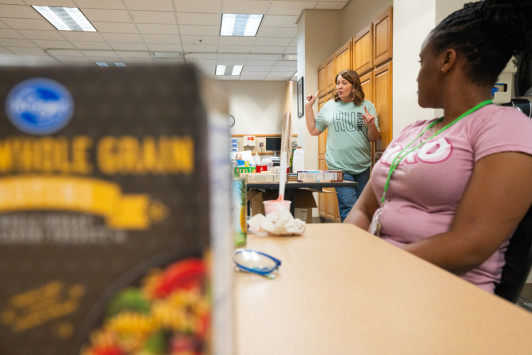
369	119
312	98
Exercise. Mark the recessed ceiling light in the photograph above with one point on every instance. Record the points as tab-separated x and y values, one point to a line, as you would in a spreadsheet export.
104	64
65	18
240	24
229	70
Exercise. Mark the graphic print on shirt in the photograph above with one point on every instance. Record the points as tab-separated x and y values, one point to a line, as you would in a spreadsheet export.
347	121
435	151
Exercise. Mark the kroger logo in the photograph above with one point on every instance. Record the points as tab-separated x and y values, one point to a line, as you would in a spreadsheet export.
39	106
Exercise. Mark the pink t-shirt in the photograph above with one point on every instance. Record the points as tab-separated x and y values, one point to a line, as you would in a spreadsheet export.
427	186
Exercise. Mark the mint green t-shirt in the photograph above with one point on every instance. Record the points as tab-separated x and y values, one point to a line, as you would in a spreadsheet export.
348	146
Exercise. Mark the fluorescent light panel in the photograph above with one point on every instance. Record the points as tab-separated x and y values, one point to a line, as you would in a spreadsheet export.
240	25
65	18
229	70
104	64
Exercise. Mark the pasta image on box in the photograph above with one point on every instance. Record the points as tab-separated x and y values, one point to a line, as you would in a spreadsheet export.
108	241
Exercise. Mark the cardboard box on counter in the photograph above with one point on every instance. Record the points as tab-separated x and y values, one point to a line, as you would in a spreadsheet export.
260	177
320	176
303	202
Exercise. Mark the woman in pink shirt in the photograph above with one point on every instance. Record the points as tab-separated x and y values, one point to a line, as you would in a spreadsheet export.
451	190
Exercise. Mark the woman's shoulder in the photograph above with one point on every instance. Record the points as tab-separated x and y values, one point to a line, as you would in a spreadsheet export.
494	116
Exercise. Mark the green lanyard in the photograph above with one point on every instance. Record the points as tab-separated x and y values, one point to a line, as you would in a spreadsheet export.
402	153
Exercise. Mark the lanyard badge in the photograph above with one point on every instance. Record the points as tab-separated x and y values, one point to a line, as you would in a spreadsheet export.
375	225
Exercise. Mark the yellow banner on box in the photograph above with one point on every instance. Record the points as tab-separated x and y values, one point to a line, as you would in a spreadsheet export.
75	194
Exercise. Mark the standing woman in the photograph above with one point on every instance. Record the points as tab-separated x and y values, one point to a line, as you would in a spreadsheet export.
352	124
452	190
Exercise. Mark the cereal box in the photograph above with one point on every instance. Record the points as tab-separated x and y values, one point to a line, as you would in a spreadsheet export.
115	233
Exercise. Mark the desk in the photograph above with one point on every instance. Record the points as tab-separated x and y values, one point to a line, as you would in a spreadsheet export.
342	291
291	186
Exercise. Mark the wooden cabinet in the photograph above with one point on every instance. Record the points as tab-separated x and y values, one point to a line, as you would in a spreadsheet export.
330	74
363	50
342	58
322	80
369	53
383	37
382	98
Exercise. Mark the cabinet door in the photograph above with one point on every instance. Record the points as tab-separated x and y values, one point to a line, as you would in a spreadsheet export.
342	58
367	86
330	74
383	37
322	79
363	50
382	81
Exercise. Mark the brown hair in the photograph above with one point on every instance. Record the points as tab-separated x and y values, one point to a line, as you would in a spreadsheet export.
354	79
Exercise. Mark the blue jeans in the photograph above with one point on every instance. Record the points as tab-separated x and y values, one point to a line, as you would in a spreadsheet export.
347	196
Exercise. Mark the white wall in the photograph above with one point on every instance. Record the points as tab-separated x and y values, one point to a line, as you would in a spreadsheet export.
319	35
412	22
258	106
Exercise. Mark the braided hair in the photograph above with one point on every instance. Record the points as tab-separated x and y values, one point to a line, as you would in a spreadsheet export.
487	33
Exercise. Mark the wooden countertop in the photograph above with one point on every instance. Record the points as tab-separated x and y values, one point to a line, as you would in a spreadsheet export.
342	291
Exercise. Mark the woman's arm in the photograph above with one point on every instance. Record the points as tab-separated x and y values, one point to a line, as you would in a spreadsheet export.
373	131
496	198
363	210
309	115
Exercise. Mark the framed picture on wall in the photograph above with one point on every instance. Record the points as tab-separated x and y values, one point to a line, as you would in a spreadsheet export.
300	98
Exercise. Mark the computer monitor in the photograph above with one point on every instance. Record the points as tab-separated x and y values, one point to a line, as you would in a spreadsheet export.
273	144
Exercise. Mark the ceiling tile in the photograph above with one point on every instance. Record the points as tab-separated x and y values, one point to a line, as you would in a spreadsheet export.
65	53
331	5
65	3
75	36
235	49
212	6
92	45
128	46
9	33
199	30
29	24
18	11
26	51
157	17
159	5
157	29
290	7
12	42
110	27
279	21
100	4
236	41
267	49
245	7
163	47
121	37
200	48
106	15
192	18
200	40
53	44
170	39
270	41
33	34
277	32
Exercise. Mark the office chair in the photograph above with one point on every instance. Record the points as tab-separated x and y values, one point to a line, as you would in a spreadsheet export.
518	261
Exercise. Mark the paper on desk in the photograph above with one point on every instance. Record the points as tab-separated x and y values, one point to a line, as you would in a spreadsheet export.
277	223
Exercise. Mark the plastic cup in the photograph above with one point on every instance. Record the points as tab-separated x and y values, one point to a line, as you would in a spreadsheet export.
276	205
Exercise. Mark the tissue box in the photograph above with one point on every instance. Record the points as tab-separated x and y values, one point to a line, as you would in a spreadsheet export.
108	181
